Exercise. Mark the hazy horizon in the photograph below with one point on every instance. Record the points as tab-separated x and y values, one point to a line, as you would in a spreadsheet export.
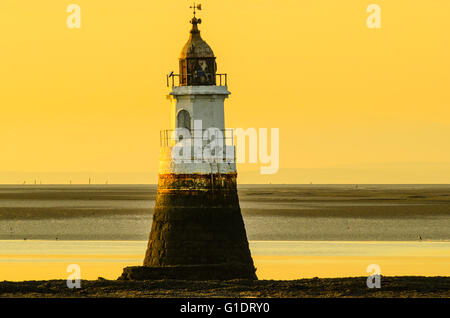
382	173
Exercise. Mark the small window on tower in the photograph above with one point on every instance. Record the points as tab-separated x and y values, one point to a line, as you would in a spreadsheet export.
184	119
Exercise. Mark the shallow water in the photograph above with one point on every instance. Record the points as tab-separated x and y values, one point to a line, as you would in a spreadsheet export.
294	231
43	260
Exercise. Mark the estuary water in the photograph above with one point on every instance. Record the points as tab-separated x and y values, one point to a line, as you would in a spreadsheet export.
294	231
278	260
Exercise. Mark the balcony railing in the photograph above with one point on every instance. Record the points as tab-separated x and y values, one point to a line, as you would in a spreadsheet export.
169	138
176	80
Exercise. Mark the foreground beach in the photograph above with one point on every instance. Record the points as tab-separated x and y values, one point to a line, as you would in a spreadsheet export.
398	287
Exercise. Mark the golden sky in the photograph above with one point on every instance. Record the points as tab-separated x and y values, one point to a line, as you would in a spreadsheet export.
353	104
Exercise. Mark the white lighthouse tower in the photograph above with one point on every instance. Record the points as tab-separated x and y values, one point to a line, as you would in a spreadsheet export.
198	231
198	99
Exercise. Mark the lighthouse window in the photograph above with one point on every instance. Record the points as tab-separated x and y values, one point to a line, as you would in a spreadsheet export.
184	119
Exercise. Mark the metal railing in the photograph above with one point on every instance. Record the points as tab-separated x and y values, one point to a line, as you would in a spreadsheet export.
169	138
176	80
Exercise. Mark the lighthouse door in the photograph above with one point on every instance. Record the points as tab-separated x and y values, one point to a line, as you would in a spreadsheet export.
184	120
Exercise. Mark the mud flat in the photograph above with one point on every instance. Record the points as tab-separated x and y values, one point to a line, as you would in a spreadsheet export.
362	201
396	287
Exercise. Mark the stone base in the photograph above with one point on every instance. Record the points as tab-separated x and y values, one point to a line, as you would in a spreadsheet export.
197	221
190	272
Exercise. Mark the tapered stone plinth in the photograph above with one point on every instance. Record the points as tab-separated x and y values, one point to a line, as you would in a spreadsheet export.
197	231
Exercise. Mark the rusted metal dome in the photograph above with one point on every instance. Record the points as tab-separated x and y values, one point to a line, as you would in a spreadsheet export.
197	61
196	47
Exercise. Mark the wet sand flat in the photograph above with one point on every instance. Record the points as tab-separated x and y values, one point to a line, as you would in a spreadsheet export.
370	201
271	212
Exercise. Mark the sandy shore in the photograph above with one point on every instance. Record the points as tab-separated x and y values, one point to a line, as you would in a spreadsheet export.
398	287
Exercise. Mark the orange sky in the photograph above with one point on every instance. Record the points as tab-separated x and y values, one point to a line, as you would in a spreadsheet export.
354	105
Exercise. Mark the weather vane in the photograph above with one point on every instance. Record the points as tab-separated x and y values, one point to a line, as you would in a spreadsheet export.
196	7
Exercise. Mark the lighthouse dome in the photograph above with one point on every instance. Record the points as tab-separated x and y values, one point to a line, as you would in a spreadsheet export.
196	47
197	60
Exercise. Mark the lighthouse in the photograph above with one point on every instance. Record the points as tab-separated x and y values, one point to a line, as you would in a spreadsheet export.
197	232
